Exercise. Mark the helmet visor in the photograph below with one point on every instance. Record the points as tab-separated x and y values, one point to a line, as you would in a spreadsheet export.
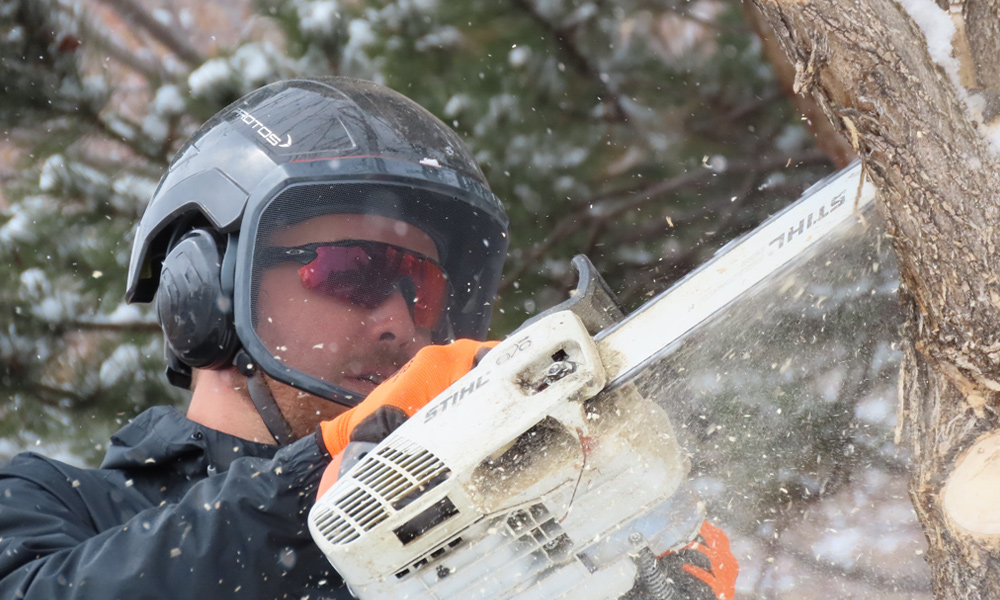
339	300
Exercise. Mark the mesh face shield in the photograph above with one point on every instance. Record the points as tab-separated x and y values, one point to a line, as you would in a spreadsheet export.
346	281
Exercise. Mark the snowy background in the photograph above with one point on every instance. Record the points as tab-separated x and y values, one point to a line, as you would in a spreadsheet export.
645	134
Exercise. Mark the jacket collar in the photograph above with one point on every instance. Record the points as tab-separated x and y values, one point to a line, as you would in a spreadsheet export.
161	435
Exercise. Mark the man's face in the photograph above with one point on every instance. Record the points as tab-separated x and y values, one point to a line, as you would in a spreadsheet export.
343	343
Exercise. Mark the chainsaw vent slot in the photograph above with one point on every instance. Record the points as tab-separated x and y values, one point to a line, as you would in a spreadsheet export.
444	549
538	532
392	476
350	515
427	519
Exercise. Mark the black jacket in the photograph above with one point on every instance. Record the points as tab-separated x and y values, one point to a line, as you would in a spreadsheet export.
176	511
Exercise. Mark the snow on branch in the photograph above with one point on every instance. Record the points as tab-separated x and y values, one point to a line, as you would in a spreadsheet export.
947	47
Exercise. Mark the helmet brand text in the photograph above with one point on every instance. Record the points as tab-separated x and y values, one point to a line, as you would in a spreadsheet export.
263	130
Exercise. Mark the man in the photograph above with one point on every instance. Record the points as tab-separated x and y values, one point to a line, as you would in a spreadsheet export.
307	241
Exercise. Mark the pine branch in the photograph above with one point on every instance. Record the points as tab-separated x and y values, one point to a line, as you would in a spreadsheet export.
141	326
577	60
139	143
150	69
739	113
610	210
65	326
170	37
53	396
681	217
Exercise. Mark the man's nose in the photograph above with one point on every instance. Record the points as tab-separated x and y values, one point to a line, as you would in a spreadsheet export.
392	320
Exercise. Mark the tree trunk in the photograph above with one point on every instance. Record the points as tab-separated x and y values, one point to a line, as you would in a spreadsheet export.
920	114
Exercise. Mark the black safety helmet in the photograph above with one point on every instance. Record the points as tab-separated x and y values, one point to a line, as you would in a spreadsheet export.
285	153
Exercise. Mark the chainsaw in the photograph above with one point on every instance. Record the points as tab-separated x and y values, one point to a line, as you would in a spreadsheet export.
543	473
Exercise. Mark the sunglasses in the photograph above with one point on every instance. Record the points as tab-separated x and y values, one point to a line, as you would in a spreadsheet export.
366	273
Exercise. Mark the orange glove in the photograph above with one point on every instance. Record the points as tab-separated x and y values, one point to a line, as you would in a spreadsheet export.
398	398
705	569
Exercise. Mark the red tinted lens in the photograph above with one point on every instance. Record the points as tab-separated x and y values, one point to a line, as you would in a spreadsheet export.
430	289
367	273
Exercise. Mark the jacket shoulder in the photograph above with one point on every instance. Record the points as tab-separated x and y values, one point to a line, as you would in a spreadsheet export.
40	470
94	499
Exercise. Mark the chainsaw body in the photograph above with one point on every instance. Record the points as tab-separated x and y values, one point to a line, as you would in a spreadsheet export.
525	479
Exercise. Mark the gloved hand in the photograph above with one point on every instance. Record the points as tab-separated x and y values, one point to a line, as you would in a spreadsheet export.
705	569
398	398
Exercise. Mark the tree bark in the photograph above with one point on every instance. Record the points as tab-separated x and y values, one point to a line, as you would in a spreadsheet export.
869	66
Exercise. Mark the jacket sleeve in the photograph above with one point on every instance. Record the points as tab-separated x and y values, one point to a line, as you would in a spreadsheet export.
240	534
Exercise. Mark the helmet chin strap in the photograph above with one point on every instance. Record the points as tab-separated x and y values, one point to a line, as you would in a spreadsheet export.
263	400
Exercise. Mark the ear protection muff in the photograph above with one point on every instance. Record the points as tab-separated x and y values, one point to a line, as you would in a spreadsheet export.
195	306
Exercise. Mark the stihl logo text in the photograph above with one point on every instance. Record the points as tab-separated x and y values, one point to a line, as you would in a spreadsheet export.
452	400
263	131
811	219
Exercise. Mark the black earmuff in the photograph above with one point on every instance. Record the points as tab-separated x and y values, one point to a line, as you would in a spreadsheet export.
194	306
